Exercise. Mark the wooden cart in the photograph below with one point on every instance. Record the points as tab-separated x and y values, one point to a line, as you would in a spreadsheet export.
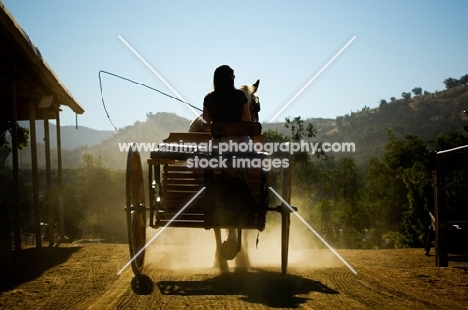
179	192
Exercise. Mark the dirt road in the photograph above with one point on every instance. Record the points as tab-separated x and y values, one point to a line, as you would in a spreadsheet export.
84	276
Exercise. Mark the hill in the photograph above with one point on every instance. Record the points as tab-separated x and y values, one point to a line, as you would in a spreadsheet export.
425	116
104	144
156	128
71	136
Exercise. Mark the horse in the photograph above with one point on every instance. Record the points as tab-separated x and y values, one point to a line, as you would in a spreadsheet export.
252	100
197	126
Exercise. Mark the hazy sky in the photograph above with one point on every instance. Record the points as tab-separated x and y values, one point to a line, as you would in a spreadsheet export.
399	45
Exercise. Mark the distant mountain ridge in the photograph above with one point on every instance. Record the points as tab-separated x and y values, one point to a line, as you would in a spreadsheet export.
104	144
71	136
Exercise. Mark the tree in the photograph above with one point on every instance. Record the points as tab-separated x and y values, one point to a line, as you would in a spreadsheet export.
304	170
101	193
464	79
406	95
451	82
450	140
384	197
342	212
297	129
6	126
397	189
298	133
415	216
417	91
275	136
383	105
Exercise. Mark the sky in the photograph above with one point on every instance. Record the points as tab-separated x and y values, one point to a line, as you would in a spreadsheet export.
350	54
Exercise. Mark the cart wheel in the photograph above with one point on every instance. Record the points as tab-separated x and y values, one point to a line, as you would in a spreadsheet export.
136	210
285	224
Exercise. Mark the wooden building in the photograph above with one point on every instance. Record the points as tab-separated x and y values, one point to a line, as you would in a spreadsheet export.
29	91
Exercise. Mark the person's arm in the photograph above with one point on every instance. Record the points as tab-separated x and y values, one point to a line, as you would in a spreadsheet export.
246	113
207	118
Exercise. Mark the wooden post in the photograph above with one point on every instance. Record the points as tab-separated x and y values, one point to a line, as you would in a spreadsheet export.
59	180
35	178
50	207
14	153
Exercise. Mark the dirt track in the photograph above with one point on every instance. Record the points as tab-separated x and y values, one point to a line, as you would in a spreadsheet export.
85	277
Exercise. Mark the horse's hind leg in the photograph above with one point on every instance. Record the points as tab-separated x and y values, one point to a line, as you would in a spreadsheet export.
219	260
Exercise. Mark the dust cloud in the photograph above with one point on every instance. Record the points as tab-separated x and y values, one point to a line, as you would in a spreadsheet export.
192	248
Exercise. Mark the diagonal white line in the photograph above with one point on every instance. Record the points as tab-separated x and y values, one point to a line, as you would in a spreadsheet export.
158	75
313	230
161	230
312	79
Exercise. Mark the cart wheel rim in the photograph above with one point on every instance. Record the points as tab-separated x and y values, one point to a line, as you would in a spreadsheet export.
139	238
136	216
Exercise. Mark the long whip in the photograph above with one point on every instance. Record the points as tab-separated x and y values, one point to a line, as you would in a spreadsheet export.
137	83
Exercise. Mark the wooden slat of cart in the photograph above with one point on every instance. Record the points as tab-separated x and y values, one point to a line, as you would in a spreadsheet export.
181	183
177	203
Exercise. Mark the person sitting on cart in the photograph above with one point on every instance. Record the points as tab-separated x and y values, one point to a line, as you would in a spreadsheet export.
227	104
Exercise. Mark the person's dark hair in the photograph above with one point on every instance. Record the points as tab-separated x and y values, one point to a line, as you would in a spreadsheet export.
223	78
